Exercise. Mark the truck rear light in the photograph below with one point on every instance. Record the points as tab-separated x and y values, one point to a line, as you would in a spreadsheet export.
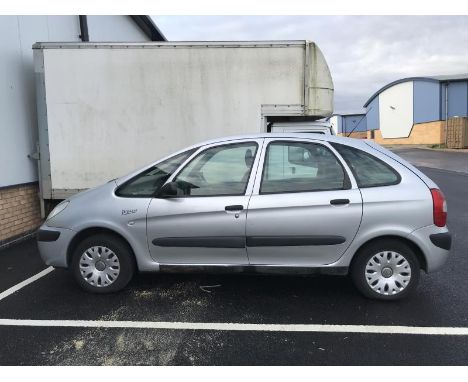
439	207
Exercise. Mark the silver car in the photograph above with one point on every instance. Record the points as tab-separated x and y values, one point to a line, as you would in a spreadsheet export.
265	203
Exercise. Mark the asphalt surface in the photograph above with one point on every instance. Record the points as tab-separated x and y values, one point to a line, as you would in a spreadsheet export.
444	160
441	300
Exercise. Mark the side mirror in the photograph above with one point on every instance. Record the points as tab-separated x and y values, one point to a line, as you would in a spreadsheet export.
169	190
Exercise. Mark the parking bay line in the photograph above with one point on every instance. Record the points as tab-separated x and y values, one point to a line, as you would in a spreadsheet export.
225	326
24	283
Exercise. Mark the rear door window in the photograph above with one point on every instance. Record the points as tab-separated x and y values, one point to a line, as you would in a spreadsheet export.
301	167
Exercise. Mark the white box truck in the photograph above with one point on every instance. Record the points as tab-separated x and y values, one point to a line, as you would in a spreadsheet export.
105	109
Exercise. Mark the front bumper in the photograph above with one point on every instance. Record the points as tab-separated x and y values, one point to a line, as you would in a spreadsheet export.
435	244
53	244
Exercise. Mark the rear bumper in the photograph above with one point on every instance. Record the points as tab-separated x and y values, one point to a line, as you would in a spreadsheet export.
53	244
442	240
435	243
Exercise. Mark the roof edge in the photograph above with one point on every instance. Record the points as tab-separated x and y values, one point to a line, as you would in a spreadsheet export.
389	85
148	27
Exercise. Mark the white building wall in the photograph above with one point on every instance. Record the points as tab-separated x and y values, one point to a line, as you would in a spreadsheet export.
396	110
336	124
18	120
114	28
18	126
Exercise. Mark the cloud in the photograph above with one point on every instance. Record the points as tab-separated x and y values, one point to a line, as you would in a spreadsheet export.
364	52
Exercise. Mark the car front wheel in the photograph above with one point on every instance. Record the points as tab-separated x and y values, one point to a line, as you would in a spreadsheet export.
102	264
386	270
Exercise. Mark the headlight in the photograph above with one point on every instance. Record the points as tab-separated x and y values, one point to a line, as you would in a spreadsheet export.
58	208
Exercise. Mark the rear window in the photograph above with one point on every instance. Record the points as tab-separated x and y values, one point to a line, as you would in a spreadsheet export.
368	170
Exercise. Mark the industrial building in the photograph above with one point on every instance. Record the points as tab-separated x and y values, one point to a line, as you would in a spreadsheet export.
19	202
352	125
416	110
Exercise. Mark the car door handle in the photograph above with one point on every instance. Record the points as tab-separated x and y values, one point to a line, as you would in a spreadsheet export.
336	202
235	207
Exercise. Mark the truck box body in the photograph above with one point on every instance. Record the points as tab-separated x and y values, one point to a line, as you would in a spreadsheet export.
106	109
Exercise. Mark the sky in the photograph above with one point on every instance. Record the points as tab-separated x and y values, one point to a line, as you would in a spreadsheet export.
364	53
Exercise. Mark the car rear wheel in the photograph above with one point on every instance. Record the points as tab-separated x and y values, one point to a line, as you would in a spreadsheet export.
103	263
386	270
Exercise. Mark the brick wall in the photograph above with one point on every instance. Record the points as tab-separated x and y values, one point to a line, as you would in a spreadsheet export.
428	133
19	211
457	133
355	134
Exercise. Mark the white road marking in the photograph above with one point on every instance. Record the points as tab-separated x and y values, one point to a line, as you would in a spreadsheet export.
22	284
225	326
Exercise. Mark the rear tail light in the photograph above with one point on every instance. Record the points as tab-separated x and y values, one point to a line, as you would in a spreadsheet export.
439	207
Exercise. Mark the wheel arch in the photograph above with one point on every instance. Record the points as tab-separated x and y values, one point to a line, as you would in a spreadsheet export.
415	247
87	232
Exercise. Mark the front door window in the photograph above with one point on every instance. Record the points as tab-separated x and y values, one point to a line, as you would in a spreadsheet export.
218	171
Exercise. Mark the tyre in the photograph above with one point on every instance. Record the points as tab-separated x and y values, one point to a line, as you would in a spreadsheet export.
103	263
387	269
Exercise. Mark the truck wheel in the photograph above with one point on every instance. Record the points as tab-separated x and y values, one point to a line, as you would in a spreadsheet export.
103	263
386	270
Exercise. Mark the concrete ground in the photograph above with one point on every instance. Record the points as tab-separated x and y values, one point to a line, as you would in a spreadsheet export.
441	301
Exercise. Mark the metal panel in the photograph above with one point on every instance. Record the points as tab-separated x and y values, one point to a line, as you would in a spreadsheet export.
121	108
372	115
171	44
318	83
457	99
426	101
354	122
45	185
396	110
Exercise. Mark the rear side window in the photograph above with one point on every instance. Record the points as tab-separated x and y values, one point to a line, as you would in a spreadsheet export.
368	170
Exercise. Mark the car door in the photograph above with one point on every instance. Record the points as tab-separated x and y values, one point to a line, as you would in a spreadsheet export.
205	222
305	208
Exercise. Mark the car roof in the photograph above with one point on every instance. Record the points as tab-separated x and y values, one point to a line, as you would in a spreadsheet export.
359	143
366	145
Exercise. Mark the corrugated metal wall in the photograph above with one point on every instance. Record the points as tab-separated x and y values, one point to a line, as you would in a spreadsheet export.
372	115
355	123
457	99
426	96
